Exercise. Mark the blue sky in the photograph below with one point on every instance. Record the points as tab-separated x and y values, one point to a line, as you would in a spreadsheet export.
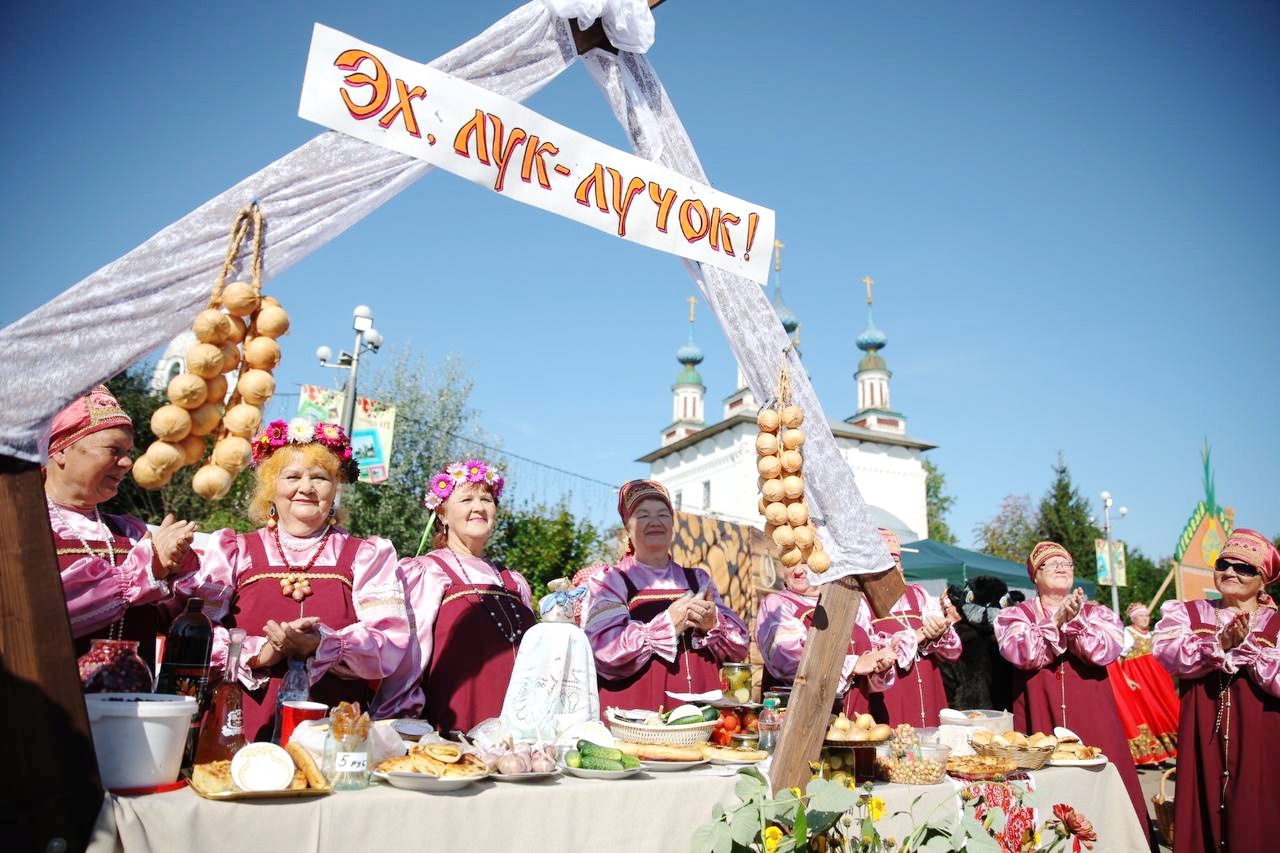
1072	212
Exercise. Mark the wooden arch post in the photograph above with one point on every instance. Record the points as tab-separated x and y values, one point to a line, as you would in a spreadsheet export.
819	672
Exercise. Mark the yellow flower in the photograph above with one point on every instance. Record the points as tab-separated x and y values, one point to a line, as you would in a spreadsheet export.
772	835
795	792
875	808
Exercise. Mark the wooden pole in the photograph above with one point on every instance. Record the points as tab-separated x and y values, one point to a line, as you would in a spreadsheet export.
48	749
818	676
1173	567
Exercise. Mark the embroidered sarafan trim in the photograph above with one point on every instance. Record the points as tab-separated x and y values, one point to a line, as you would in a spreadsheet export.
657	596
500	593
315	576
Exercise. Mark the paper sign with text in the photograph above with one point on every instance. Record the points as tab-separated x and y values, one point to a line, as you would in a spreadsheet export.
372	94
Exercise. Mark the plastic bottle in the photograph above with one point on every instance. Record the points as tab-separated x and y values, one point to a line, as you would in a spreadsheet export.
294	687
769	725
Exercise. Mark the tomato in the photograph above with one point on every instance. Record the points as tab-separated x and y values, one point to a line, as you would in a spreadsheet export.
749	721
730	722
720	737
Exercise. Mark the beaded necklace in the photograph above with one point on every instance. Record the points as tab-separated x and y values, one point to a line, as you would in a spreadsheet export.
510	632
116	631
295	584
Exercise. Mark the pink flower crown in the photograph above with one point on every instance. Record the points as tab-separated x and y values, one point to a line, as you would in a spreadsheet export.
301	431
455	474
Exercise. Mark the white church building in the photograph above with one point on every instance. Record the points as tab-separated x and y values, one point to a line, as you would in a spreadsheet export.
710	468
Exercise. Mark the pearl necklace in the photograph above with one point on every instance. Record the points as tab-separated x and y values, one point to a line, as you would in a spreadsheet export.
116	630
510	632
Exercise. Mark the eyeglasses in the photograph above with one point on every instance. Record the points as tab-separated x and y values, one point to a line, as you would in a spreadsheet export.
1058	564
1243	570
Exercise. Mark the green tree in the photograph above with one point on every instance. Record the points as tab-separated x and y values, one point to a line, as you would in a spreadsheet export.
544	543
1011	532
937	504
1064	518
434	425
1143	577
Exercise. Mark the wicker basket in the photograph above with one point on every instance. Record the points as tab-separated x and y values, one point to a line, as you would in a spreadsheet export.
1027	758
686	735
1163	806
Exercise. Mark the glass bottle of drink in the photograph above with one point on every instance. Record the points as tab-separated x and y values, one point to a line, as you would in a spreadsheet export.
222	732
185	668
294	687
769	724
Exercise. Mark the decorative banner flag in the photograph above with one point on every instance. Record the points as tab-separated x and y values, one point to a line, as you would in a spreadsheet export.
372	94
371	433
1109	563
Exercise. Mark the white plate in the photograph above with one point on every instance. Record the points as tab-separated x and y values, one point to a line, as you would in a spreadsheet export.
726	702
412	729
525	777
667	766
1078	762
734	761
584	773
423	782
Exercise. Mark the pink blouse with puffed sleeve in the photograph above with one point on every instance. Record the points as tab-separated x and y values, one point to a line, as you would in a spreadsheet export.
1029	639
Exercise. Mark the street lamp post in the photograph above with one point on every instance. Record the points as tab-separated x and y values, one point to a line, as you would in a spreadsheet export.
368	339
1106	530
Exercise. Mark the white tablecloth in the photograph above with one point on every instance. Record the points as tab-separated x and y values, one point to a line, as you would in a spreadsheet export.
647	812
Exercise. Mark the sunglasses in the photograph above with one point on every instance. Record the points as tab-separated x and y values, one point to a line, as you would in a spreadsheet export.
1243	570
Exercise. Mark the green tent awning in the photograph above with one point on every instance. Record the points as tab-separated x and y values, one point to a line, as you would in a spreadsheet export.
930	560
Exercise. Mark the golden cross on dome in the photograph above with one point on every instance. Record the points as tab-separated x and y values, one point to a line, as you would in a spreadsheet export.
693	300
868	281
777	255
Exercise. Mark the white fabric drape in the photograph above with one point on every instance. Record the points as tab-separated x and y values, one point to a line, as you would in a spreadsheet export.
313	194
755	334
319	190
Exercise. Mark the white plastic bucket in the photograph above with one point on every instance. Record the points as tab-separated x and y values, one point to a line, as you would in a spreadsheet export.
139	737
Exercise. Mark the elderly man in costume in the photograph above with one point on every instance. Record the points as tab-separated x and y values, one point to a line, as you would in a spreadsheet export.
1060	646
115	573
1228	667
656	626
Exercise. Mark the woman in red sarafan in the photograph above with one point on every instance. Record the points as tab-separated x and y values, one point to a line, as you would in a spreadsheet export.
1144	693
1060	646
1228	668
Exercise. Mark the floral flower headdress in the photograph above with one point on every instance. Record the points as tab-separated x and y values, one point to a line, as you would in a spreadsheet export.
444	481
455	474
300	431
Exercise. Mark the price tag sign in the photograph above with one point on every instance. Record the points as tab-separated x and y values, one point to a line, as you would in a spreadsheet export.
351	762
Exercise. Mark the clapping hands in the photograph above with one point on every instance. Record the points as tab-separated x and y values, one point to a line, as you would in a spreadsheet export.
693	611
1235	632
296	639
171	546
879	660
1070	607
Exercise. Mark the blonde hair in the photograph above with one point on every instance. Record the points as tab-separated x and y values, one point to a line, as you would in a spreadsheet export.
440	536
268	472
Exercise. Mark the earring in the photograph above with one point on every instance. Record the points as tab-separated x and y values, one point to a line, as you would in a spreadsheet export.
333	510
272	515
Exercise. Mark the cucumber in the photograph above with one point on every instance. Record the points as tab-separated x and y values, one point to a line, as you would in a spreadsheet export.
629	761
591	762
684	721
573	758
709	714
594	750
